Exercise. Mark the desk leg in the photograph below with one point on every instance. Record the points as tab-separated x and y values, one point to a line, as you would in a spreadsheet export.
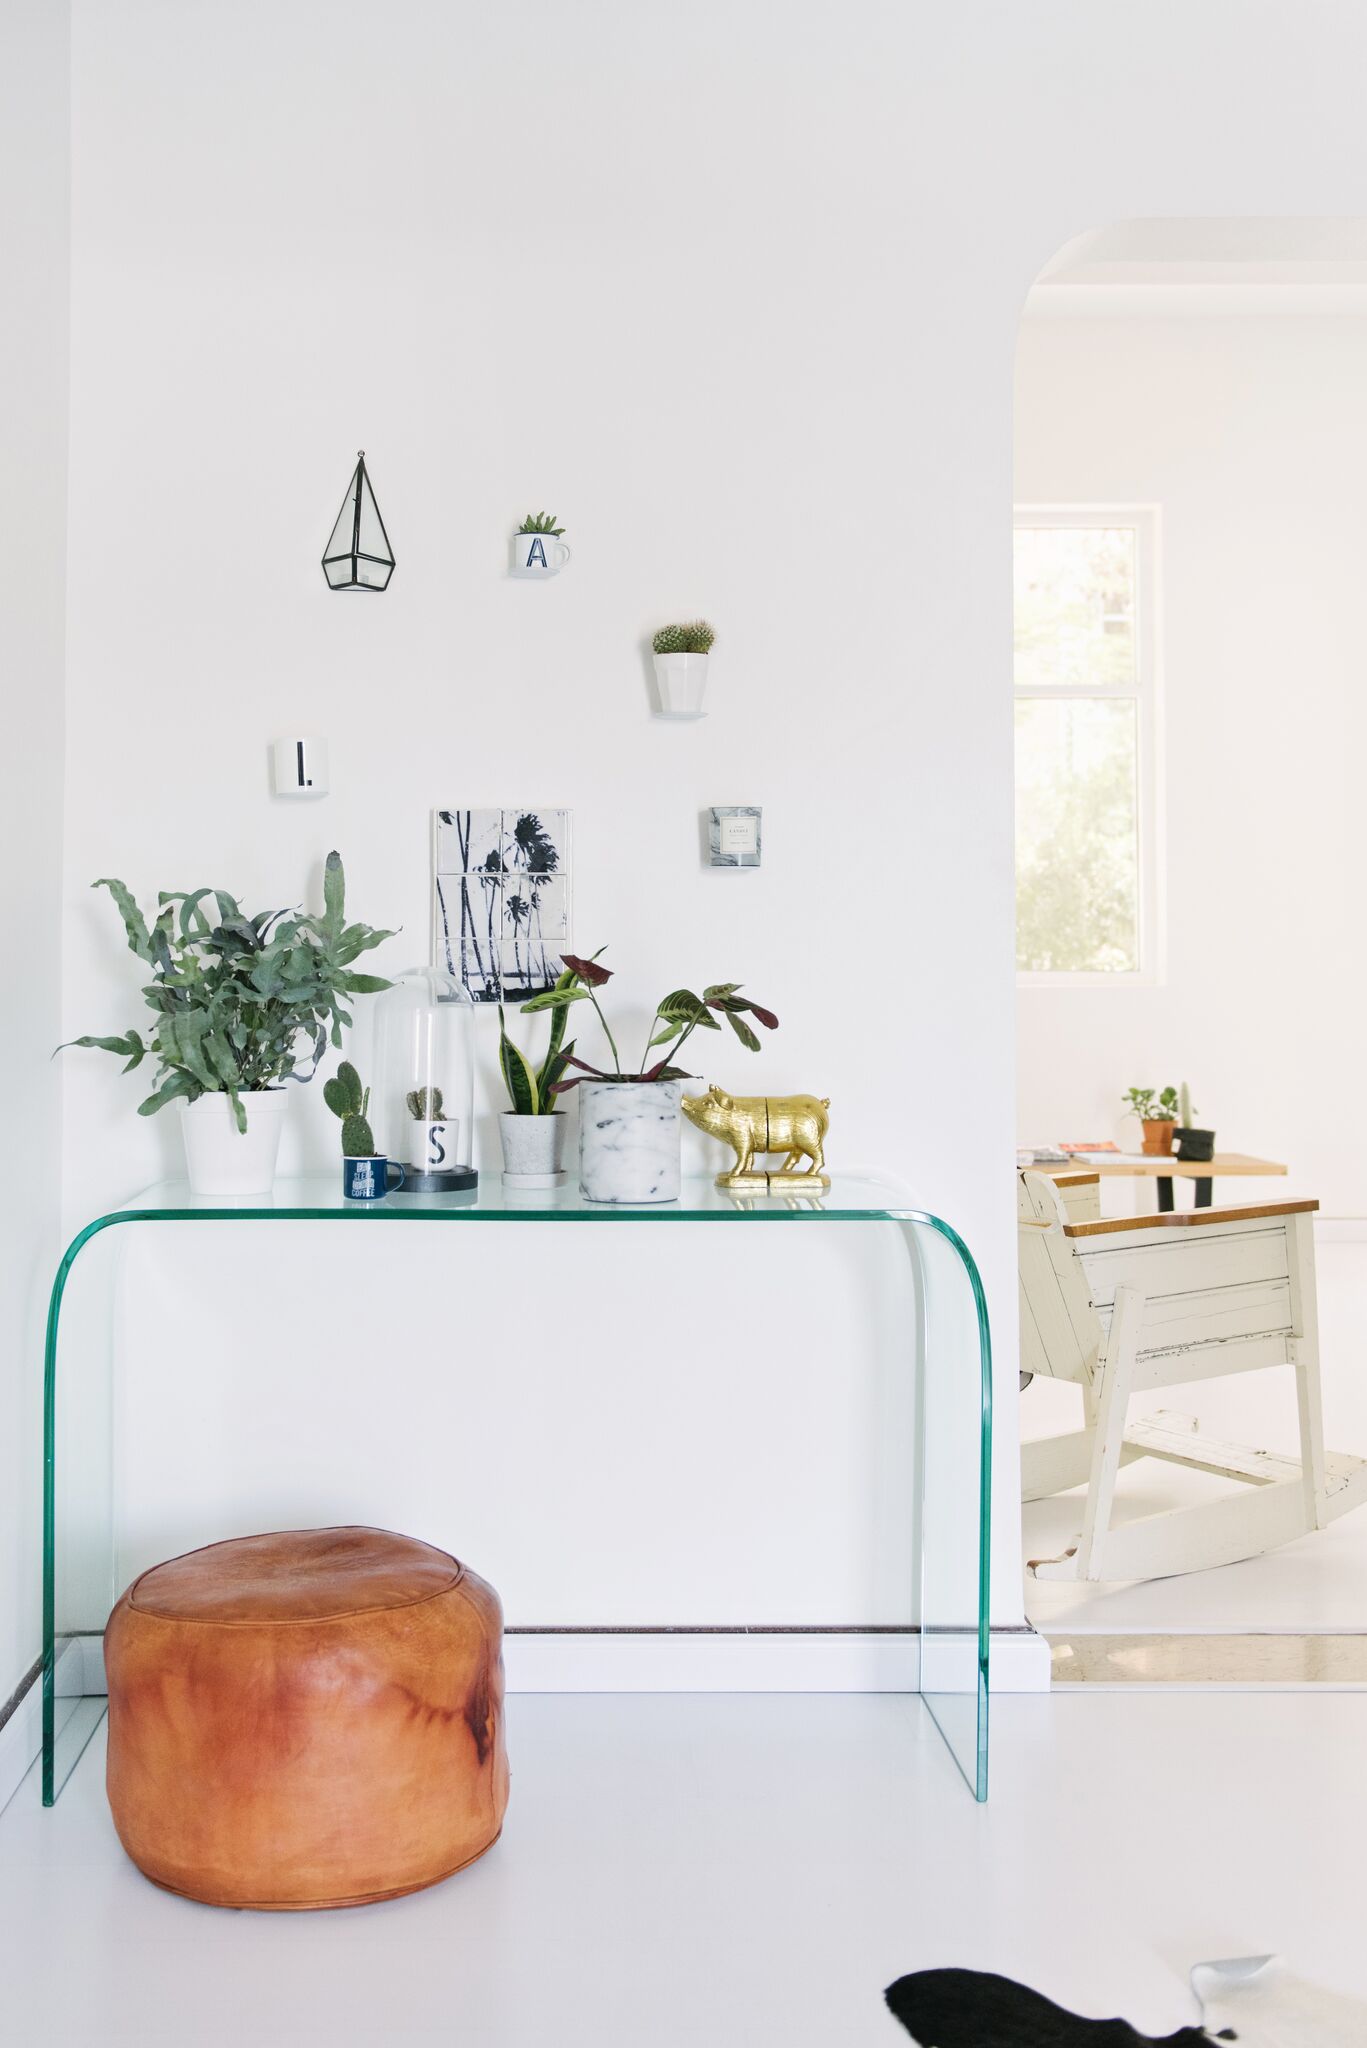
1203	1192
1165	1194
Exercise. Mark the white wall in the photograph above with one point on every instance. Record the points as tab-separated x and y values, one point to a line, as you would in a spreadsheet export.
34	252
1250	433
735	290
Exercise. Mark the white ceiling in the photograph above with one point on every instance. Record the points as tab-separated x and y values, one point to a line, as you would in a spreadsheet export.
1184	267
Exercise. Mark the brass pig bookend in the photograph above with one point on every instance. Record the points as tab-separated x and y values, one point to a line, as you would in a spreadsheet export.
795	1125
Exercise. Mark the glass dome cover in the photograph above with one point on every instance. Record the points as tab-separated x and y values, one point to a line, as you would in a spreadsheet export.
423	1101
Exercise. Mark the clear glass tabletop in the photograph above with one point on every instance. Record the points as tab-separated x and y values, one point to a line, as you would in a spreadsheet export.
948	1350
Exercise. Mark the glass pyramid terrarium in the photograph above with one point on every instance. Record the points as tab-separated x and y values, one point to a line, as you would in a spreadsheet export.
359	556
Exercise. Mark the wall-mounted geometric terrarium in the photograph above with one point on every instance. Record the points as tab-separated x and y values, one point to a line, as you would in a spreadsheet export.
358	556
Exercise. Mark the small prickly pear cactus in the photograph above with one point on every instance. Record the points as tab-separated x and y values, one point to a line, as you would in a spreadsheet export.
424	1104
345	1097
669	640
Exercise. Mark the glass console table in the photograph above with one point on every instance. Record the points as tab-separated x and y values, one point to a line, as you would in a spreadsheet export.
948	1350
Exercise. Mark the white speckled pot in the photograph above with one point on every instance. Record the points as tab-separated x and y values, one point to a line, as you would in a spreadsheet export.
533	1149
629	1141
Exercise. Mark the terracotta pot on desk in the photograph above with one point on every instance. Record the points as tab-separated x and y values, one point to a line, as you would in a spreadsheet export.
1157	1137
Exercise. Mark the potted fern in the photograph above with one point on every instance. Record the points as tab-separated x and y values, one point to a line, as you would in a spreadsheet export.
532	1132
681	661
242	1005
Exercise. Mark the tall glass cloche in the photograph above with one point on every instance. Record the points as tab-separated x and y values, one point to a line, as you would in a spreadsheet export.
425	1080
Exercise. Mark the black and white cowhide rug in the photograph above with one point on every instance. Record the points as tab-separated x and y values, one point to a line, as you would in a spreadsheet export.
971	2009
1254	2000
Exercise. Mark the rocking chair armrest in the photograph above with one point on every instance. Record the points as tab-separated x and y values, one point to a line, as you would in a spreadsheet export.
1189	1219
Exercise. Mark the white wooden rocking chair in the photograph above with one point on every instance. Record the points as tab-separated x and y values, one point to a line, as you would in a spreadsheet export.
1124	1306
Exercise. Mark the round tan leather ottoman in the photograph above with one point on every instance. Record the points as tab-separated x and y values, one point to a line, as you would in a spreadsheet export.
313	1718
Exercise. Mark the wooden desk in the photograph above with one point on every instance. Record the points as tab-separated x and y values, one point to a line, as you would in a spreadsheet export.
1165	1168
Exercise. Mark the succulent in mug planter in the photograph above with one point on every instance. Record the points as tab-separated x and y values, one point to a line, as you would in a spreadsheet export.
629	1123
242	1003
681	665
538	547
346	1098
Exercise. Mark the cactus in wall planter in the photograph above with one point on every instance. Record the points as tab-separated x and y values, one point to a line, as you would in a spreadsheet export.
346	1098
681	663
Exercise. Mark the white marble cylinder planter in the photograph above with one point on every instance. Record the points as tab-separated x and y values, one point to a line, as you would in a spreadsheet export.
533	1149
629	1141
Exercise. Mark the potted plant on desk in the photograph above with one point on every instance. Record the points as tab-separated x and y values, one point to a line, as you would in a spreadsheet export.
630	1123
242	1005
1157	1112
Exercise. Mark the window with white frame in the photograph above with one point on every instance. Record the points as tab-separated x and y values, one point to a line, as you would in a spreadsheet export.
1085	680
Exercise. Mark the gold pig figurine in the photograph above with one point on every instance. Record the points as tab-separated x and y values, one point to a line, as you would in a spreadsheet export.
795	1125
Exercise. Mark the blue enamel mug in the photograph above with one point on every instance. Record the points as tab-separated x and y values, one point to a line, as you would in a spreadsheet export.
366	1180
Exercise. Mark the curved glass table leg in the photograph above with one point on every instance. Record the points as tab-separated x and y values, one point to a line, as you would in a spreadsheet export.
954	1456
78	1531
951	1511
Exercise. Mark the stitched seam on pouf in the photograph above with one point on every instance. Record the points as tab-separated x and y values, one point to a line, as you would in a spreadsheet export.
294	1620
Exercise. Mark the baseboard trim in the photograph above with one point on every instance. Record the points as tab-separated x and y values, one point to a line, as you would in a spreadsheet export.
759	1660
21	1733
638	1660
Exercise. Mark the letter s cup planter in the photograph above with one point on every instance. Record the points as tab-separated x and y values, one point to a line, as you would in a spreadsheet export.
629	1141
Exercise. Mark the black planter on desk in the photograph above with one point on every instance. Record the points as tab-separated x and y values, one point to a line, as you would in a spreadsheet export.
1193	1144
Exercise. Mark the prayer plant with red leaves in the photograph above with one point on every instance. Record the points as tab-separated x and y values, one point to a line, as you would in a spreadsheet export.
677	1016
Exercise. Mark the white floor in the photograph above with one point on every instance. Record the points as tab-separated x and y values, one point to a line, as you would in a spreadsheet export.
702	1871
1317	1583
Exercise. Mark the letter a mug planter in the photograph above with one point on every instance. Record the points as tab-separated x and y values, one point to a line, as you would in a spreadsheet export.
537	555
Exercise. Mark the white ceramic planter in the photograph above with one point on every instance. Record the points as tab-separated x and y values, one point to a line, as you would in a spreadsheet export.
533	1149
432	1147
537	555
681	680
629	1141
225	1161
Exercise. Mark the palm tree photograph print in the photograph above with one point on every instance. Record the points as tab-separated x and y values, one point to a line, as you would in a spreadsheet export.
502	899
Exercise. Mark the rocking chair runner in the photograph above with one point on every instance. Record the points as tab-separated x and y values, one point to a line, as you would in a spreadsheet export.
1124	1306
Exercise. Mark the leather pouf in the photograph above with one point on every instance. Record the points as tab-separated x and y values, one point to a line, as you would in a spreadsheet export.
313	1718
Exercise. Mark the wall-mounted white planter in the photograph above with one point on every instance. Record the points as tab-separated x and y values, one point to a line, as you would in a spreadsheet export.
535	556
225	1161
681	680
